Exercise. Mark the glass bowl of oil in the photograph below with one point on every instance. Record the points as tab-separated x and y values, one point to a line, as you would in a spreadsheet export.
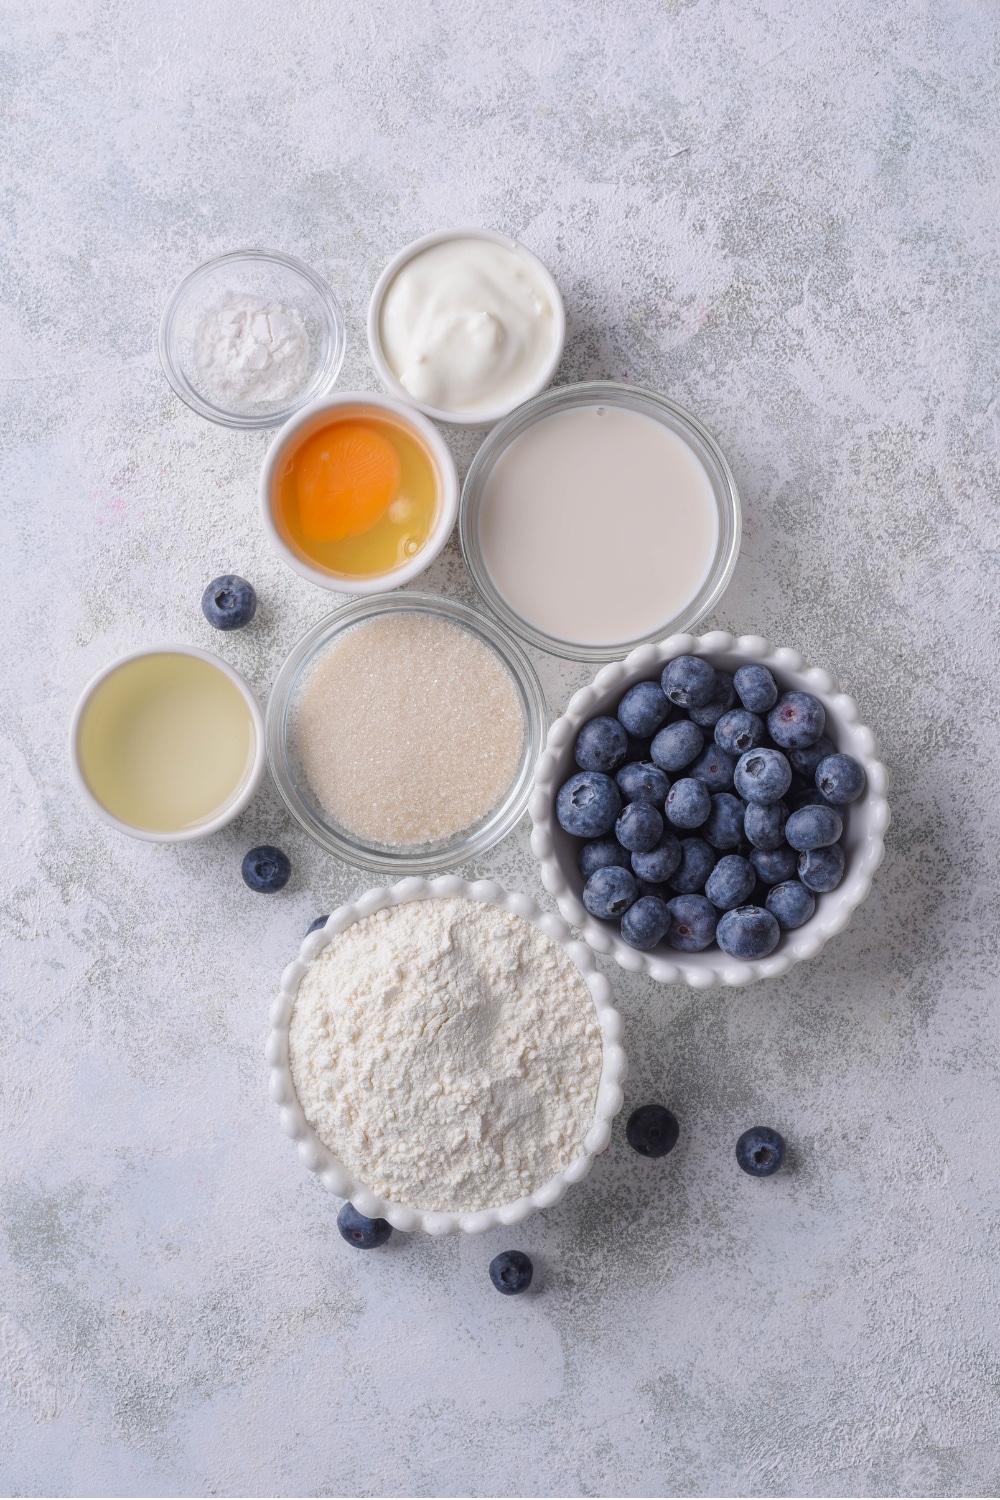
358	493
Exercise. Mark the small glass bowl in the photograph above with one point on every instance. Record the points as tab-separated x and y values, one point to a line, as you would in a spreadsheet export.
293	785
646	403
261	273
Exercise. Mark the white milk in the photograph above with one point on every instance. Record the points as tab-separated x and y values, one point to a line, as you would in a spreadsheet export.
598	525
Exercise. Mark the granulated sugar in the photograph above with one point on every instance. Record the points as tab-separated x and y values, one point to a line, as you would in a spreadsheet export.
409	729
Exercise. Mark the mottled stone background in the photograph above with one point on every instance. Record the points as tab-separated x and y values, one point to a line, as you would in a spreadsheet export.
784	214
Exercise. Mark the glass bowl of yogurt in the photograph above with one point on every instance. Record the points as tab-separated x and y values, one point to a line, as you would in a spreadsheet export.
250	337
466	324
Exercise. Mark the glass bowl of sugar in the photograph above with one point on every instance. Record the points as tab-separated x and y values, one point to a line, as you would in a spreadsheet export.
402	731
250	337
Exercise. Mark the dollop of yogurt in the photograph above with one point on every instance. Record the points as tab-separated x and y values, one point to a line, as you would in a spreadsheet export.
467	326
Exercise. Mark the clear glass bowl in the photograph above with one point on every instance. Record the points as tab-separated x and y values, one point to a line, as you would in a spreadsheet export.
301	800
261	273
649	404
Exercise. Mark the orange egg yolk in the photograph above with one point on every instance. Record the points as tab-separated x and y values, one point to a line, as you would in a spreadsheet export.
347	477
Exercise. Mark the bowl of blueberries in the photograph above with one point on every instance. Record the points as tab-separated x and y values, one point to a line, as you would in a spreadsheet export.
710	810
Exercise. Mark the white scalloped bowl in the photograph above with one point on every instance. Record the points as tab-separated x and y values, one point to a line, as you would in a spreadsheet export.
865	821
332	1173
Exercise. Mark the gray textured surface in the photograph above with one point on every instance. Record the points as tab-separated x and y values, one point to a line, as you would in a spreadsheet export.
784	215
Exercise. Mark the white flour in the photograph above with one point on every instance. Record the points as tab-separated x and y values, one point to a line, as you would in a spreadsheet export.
448	1053
248	349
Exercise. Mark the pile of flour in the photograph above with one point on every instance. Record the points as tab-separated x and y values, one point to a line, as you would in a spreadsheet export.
248	349
448	1053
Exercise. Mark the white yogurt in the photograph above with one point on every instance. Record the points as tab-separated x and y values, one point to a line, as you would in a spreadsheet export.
598	525
467	326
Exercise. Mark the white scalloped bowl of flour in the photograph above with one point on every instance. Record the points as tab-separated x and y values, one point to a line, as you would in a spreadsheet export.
332	1172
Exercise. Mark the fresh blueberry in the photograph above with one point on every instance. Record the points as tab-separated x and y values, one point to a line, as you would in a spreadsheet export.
723	828
720	702
688	803
639	827
610	892
790	903
229	602
814	827
697	862
756	689
715	768
764	825
266	869
807	796
660	862
692	923
796	721
762	776
806	760
644	924
775	865
840	778
511	1272
731	882
362	1233
688	681
641	781
739	731
599	854
652	1130
588	804
643	709
760	1152
748	932
601	745
822	869
676	745
317	924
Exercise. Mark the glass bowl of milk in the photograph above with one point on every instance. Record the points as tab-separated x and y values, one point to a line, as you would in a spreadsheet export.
600	516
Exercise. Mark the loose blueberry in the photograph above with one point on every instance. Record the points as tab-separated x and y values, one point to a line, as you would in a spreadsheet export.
806	761
731	882
610	892
688	681
362	1233
317	924
229	602
644	924
739	731
639	827
723	828
599	854
840	778
748	932
822	869
764	825
756	689
641	781
814	827
652	1130
715	768
688	803
697	862
762	776
660	862
790	903
760	1152
266	869
796	721
511	1272
720	702
676	745
588	804
601	745
775	865
643	709
692	923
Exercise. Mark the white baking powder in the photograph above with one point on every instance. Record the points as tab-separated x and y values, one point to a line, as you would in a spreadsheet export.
448	1053
248	349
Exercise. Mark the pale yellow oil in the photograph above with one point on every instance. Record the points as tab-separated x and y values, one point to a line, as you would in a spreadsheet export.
166	742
